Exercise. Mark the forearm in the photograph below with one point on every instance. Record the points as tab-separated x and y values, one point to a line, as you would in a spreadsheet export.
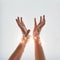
18	52
39	54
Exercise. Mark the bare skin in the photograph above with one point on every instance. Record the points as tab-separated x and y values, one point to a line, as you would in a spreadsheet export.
39	54
20	49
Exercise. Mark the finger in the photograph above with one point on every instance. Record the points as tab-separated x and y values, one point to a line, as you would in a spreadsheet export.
17	22
23	25
20	26
35	23
40	21
21	18
44	19
17	18
27	32
22	22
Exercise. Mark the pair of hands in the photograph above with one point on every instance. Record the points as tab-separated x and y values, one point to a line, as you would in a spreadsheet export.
37	27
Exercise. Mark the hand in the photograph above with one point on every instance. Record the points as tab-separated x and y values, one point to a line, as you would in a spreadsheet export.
20	49
39	26
22	26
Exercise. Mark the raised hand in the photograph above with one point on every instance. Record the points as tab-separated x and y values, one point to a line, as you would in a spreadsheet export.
39	26
22	26
20	49
39	54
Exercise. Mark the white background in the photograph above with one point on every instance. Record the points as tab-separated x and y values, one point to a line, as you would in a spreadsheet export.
10	34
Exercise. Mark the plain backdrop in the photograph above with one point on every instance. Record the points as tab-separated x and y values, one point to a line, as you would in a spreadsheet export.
10	34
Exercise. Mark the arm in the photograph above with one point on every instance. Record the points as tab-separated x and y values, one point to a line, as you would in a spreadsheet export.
20	49
39	54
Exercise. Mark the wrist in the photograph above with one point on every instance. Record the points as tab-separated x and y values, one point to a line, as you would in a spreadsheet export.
36	39
24	39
